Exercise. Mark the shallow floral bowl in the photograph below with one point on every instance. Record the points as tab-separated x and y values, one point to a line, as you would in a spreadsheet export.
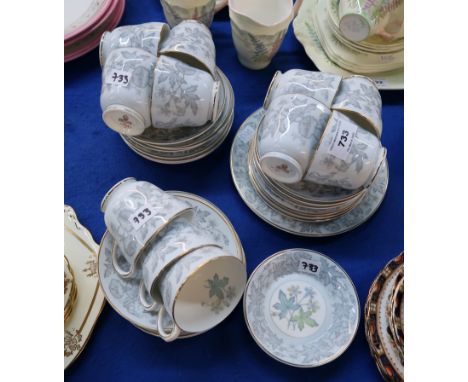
301	308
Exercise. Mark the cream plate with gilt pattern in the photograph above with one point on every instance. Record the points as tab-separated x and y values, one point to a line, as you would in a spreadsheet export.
81	252
301	308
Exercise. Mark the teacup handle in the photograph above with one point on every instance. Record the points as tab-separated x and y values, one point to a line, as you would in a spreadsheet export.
147	304
167	336
119	270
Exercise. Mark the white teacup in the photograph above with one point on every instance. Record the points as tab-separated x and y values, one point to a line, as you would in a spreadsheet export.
127	80
182	95
258	29
360	19
360	98
288	134
200	291
175	241
348	155
135	212
318	85
146	36
177	11
192	43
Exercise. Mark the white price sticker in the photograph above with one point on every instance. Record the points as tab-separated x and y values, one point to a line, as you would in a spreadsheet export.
118	77
308	267
343	139
140	217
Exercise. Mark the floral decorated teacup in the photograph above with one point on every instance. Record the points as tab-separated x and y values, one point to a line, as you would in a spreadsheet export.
175	241
318	85
360	19
135	212
200	291
288	134
192	43
177	11
182	95
348	156
127	80
258	29
359	96
146	36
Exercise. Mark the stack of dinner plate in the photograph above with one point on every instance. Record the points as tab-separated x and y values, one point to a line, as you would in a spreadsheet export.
384	320
188	144
85	21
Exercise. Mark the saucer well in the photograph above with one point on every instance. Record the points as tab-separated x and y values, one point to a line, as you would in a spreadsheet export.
240	174
81	252
122	294
301	308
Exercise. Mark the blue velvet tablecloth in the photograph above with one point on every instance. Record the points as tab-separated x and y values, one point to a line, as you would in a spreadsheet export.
96	158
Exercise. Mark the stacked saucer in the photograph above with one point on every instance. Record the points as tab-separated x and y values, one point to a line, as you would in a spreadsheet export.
85	21
339	39
171	262
289	166
384	320
161	90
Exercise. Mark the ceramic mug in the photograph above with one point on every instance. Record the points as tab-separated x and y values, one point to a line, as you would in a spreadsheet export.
360	98
192	43
177	240
177	11
182	95
200	291
317	85
288	134
135	212
146	36
348	156
127	80
360	19
258	29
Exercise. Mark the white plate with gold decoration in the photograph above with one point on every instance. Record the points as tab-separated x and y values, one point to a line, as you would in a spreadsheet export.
123	294
301	308
306	33
81	252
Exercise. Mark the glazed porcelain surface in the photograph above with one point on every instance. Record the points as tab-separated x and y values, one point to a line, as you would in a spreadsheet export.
292	126
359	96
301	308
192	43
147	36
240	173
81	252
183	96
258	29
177	11
351	166
127	80
123	294
78	15
178	239
317	85
135	212
306	32
202	289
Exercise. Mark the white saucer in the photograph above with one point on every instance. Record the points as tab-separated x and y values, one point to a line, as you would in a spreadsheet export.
122	294
240	174
81	251
301	308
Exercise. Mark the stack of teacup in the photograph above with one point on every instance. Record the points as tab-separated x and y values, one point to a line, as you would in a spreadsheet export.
182	272
70	290
317	148
161	90
203	11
